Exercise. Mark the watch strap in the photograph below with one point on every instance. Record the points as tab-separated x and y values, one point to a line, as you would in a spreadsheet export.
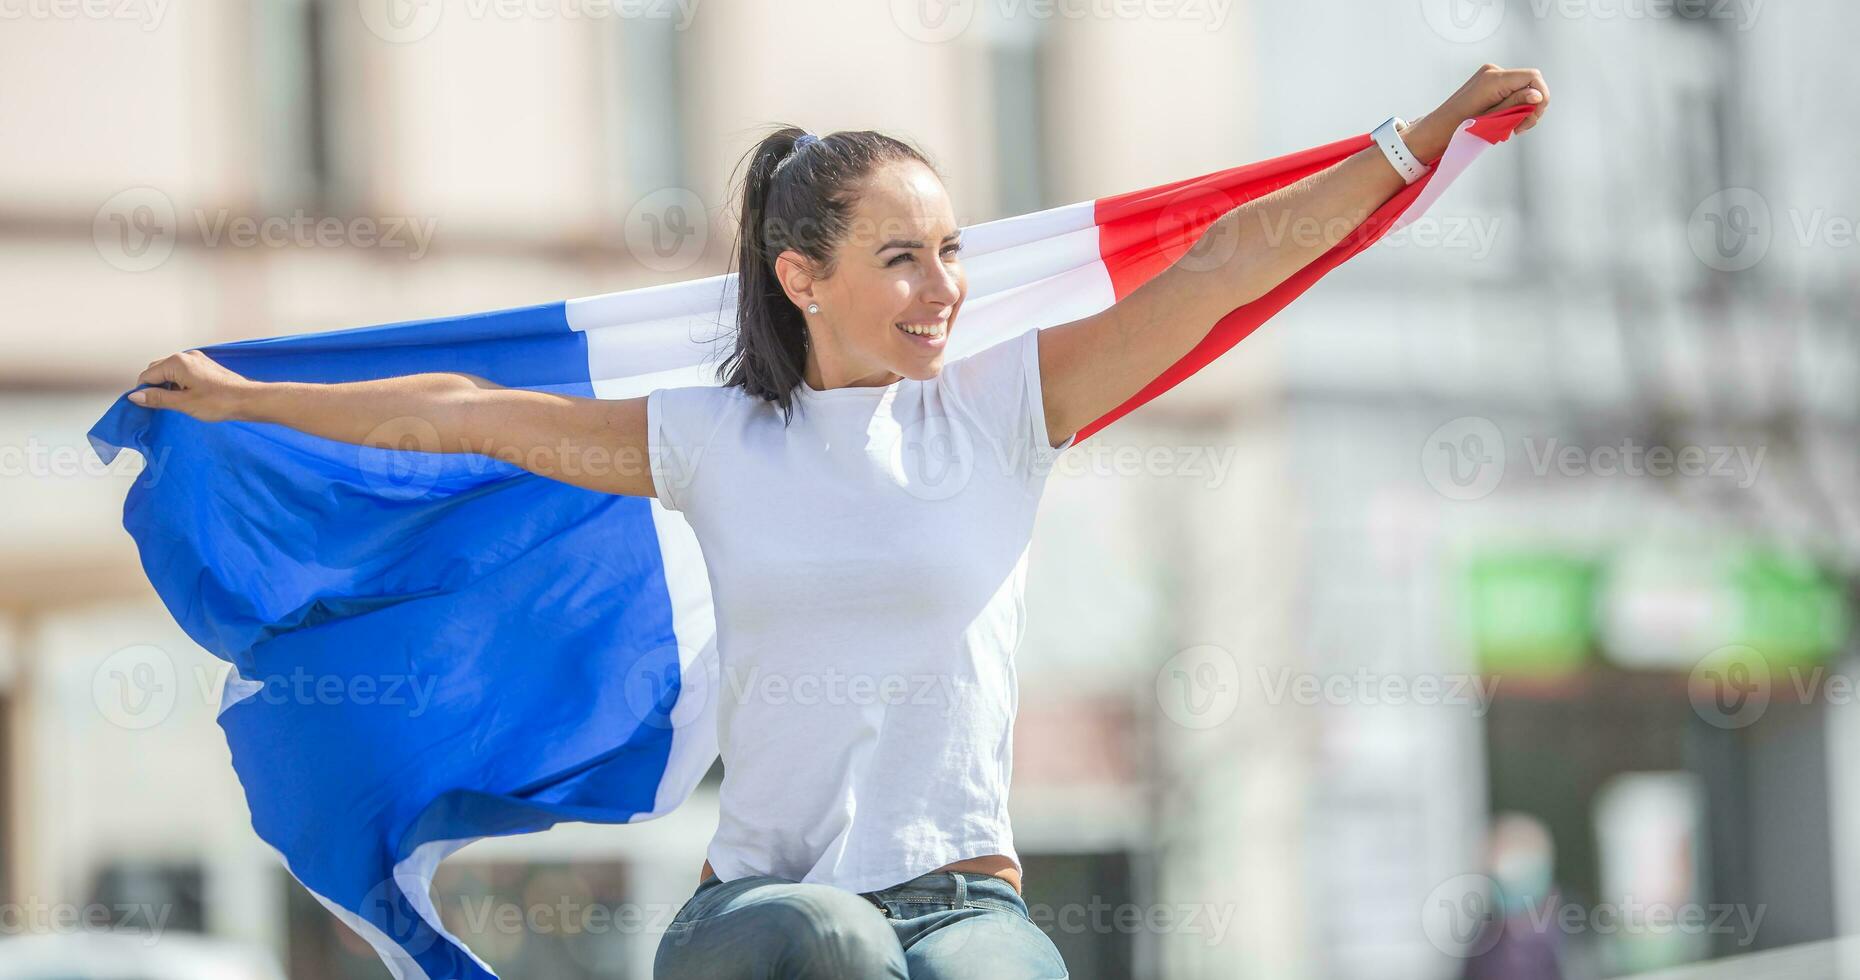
1388	137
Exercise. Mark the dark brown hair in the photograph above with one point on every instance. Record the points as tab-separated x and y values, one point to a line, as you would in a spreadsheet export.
802	200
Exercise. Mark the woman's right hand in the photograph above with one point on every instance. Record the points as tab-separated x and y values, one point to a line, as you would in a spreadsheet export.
600	444
193	383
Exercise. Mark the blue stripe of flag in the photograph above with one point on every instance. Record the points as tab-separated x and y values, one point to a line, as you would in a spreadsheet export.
446	646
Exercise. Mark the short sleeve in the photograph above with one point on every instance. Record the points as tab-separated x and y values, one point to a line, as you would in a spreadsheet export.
1000	388
1036	396
668	452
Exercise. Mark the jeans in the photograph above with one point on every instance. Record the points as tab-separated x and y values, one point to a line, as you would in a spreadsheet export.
945	925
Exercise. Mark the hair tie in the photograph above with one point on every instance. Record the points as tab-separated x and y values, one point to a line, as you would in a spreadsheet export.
800	143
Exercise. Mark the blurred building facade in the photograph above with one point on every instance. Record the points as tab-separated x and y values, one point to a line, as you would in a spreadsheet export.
1227	723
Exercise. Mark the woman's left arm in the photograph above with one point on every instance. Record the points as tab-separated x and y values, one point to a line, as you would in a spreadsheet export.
1090	366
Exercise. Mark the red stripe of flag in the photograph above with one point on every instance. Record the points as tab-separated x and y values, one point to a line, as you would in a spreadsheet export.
1143	232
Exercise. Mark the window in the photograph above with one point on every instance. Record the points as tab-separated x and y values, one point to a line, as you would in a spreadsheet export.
644	82
1017	61
294	101
134	890
561	920
6	785
1072	898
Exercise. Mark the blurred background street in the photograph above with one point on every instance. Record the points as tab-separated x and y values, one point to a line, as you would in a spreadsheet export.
1488	614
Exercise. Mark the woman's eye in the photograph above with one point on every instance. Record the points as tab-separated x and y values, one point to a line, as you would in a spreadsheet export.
948	250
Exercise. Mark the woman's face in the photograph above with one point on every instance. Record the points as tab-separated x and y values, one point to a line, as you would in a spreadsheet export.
897	266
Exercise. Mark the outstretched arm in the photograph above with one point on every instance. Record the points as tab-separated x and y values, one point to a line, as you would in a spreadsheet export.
1091	366
594	443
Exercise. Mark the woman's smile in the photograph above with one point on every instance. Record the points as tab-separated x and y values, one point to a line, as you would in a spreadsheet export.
928	334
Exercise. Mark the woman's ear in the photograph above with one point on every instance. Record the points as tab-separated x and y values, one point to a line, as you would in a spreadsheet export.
796	278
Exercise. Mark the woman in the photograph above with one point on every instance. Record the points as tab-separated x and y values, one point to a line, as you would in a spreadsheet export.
864	832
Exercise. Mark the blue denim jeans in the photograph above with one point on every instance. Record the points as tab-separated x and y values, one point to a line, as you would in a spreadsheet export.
945	925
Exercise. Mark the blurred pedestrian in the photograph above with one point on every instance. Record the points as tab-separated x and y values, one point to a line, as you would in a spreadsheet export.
1519	940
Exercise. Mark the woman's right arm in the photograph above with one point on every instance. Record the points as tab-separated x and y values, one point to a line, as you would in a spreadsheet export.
599	444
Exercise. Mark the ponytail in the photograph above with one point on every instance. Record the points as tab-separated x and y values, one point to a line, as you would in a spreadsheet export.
799	199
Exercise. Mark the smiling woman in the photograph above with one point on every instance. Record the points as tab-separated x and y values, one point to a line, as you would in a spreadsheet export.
847	265
864	512
897	566
850	285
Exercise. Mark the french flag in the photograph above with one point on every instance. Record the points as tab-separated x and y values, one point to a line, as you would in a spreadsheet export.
508	651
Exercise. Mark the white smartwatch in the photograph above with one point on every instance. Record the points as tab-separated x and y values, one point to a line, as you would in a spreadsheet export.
1404	162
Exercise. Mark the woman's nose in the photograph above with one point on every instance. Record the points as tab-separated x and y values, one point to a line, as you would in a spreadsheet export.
945	285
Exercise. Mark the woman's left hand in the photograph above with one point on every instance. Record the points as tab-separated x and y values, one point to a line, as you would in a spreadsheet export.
1490	89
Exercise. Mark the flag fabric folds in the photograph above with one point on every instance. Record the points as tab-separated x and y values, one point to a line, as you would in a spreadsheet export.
505	651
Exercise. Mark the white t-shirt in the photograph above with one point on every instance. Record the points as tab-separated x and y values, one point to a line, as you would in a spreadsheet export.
867	567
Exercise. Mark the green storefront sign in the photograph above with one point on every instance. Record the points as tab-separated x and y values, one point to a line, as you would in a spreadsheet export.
1531	612
1536	612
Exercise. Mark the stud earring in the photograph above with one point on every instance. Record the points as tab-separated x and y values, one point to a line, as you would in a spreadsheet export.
813	307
